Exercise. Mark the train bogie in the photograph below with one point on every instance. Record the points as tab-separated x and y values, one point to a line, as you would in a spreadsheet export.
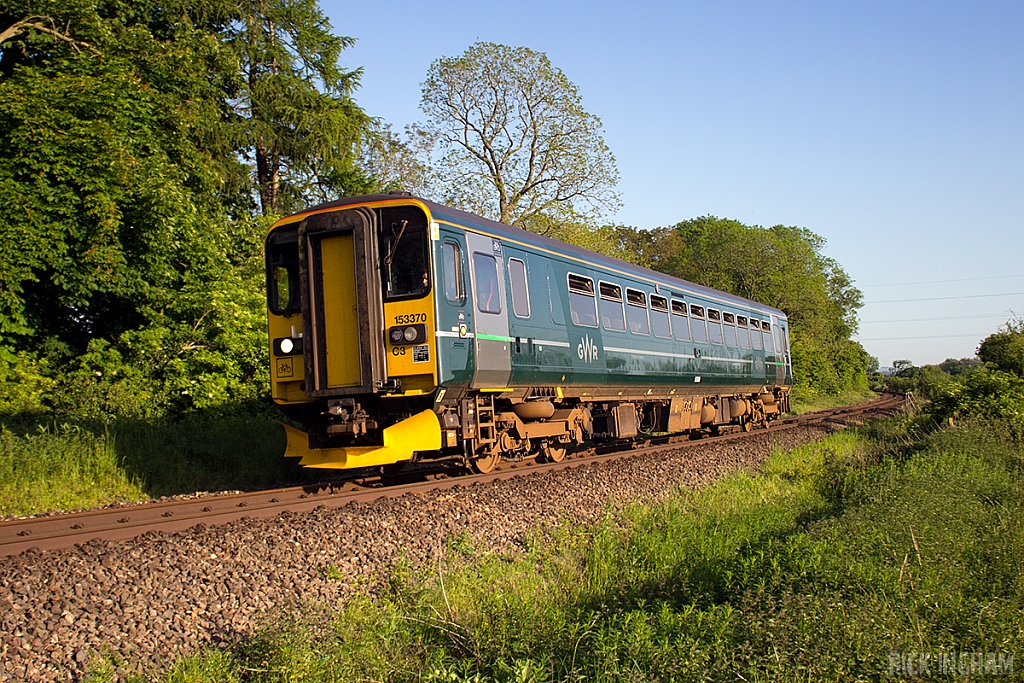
404	330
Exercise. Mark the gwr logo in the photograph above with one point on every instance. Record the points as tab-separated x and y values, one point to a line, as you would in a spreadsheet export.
587	350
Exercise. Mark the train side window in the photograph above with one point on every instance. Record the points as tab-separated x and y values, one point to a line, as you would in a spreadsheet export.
488	296
451	267
698	326
680	323
554	299
582	303
743	331
778	339
659	316
520	290
636	312
612	315
729	323
714	326
766	328
755	335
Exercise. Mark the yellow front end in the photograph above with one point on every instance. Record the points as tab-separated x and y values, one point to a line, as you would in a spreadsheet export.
334	348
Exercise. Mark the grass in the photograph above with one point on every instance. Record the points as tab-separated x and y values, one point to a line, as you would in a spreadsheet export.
65	466
802	400
68	465
820	567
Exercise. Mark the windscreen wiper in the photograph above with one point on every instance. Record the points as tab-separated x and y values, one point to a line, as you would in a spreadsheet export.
394	245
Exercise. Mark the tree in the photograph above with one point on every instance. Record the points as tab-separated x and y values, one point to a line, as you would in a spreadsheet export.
782	266
516	141
299	123
1004	350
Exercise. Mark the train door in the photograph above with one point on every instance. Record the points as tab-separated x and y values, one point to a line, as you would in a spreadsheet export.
782	343
454	310
780	354
490	309
341	303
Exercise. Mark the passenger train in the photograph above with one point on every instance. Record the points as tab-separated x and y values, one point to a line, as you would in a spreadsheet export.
402	330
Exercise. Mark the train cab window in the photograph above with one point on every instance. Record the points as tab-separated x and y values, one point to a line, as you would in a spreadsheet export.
404	243
485	271
680	324
636	312
698	326
743	332
283	272
729	324
451	266
582	303
714	326
659	316
612	315
755	335
779	336
766	329
520	291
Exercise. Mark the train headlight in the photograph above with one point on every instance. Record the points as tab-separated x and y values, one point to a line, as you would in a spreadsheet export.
287	346
407	334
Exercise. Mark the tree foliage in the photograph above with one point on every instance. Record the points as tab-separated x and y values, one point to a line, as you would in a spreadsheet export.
137	140
299	124
781	266
516	141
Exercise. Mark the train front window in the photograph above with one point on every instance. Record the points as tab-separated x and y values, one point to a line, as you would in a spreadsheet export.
403	247
283	272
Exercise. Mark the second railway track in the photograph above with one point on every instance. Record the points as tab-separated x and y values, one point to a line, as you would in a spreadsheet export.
54	532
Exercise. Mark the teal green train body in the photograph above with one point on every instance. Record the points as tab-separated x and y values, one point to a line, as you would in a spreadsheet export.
403	330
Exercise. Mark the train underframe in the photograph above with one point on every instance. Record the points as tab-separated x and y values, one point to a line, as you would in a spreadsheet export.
478	429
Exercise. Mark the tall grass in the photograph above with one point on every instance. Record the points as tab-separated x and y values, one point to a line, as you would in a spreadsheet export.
807	400
64	466
817	568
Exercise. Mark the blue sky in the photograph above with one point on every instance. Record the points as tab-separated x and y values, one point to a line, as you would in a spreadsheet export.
894	130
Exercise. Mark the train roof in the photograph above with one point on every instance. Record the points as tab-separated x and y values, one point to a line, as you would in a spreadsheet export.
521	235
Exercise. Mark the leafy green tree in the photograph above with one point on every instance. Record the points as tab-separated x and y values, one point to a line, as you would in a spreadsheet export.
299	124
131	271
1004	350
780	266
516	141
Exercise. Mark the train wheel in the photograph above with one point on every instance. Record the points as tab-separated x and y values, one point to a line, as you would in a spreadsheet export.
553	453
747	425
486	462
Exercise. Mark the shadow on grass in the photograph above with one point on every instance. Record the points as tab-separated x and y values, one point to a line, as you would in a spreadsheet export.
47	463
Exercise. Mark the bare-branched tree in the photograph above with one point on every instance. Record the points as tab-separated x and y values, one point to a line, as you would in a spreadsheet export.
517	144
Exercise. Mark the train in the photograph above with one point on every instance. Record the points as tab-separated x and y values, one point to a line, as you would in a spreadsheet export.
404	331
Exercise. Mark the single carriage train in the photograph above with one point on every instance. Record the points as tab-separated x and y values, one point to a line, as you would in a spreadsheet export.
403	330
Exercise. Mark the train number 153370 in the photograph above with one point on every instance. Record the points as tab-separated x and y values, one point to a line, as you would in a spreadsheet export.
410	318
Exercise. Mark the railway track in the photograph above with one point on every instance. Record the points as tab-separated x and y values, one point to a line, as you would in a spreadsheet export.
54	532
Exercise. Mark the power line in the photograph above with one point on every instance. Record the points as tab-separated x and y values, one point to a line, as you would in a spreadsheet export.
945	298
929	320
943	282
943	336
